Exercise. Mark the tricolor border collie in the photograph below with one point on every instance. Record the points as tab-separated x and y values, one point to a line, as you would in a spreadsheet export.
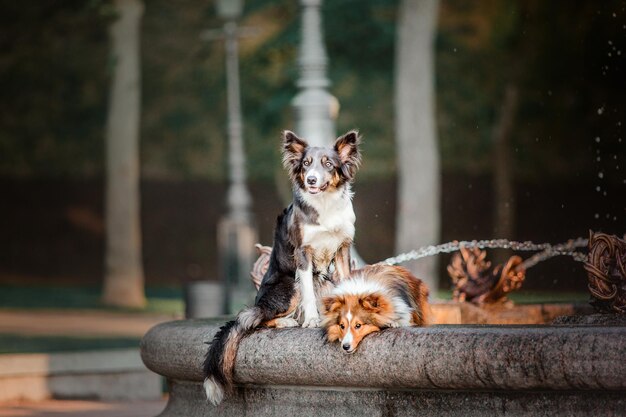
373	298
310	253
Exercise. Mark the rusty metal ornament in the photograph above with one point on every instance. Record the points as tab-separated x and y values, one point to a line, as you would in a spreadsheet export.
260	265
606	272
476	282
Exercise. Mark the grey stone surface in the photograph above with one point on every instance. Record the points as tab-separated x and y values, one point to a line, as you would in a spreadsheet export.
433	358
434	371
187	399
592	320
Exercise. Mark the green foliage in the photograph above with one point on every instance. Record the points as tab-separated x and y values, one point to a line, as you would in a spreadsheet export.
555	55
53	57
568	64
163	300
360	39
19	343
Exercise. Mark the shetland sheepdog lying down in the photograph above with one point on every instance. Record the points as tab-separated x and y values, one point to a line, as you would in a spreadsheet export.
373	298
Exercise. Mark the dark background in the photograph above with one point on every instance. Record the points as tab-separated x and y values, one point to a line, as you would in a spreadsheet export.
569	159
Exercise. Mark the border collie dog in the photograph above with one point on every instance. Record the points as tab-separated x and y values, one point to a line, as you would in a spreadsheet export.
310	254
373	298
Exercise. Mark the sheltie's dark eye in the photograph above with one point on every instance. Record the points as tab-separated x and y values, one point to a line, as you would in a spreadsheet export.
342	326
357	326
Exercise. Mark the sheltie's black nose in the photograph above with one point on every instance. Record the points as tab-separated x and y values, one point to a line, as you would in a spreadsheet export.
346	346
311	180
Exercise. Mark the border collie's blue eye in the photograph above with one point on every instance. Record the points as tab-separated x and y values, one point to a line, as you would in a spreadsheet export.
328	164
306	163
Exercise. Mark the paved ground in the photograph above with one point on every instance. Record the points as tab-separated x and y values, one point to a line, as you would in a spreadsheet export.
83	323
62	408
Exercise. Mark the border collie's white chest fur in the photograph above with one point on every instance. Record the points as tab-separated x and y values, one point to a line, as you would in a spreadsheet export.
335	224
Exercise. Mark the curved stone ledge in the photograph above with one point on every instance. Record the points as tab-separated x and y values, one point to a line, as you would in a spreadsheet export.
463	358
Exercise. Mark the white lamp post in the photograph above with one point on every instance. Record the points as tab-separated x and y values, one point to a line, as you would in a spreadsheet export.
314	106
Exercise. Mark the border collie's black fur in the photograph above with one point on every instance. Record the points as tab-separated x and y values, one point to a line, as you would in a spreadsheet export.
311	251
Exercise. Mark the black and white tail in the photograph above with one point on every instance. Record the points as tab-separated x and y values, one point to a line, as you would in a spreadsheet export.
220	359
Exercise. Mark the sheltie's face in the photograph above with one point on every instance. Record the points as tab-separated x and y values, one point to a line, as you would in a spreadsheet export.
316	170
349	318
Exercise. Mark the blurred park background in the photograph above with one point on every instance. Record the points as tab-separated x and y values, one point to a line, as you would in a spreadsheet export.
567	151
547	79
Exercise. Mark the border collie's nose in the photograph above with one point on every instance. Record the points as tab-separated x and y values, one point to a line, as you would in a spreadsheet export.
346	346
311	180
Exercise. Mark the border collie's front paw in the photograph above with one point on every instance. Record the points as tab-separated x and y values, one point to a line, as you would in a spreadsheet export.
311	322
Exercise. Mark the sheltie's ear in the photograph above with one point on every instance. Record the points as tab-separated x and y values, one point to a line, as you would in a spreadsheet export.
373	303
293	149
347	147
333	332
332	304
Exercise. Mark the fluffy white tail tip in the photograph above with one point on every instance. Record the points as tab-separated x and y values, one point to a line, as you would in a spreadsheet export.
214	392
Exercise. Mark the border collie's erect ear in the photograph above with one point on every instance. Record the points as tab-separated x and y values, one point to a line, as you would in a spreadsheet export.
347	147
293	149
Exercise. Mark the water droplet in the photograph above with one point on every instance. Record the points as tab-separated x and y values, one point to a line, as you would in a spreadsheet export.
597	139
596	216
598	159
598	188
600	174
601	109
562	205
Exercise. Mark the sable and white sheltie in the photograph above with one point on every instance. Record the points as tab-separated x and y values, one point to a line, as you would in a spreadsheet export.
374	298
310	253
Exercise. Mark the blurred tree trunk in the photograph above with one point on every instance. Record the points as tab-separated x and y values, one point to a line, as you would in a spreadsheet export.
504	200
417	154
124	281
503	171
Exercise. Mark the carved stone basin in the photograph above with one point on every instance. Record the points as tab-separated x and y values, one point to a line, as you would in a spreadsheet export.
439	370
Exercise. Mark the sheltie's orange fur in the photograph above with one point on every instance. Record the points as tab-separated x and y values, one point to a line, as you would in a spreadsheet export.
374	298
